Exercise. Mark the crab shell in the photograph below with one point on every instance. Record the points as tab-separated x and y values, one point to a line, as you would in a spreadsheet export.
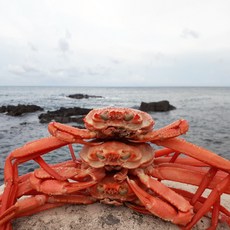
112	192
117	154
118	122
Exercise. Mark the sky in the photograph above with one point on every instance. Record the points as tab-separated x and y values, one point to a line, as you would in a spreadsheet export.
115	42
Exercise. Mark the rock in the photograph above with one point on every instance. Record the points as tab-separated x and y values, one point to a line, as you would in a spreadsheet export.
18	110
64	115
81	96
160	106
91	217
100	216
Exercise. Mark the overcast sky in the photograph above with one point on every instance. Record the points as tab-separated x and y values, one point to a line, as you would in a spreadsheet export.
115	42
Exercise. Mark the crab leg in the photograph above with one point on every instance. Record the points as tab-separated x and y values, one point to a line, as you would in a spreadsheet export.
189	175
225	214
215	214
208	177
168	155
55	187
38	203
218	211
180	160
210	201
70	134
57	201
31	150
159	207
174	129
196	152
162	190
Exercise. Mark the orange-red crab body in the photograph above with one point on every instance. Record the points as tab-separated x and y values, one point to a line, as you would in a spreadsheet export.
121	122
117	155
117	165
117	123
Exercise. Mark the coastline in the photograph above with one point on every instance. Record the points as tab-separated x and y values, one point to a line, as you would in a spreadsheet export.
101	216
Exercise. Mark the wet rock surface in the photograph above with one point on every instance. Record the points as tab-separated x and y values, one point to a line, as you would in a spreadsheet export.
18	110
160	106
81	96
64	115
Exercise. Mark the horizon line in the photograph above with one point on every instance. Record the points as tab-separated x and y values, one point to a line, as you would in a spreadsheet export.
123	86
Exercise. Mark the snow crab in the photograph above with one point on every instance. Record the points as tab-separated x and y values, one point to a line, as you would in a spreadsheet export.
119	165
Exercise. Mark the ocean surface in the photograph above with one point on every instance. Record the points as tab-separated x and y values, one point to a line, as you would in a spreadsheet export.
207	109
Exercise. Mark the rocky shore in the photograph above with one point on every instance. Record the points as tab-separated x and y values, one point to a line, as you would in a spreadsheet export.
75	114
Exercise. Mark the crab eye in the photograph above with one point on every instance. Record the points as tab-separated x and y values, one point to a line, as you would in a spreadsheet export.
125	155
122	191
100	155
104	116
100	188
128	117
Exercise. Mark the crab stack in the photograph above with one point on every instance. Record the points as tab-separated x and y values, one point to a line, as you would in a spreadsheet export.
118	165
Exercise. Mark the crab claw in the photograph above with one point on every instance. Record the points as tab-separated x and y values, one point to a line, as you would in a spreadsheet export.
55	187
69	134
159	207
174	129
169	195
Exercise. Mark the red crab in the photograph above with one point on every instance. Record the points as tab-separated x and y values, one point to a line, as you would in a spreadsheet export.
118	166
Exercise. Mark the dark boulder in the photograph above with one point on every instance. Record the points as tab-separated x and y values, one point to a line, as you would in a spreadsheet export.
160	106
81	96
18	110
64	115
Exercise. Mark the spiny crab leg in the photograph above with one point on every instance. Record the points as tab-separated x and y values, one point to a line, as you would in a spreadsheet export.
197	152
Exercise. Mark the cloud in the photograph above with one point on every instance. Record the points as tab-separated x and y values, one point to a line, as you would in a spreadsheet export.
188	33
16	69
32	47
63	45
23	69
84	42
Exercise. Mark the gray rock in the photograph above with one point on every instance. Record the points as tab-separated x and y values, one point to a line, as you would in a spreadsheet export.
94	216
81	96
160	106
99	216
18	110
64	115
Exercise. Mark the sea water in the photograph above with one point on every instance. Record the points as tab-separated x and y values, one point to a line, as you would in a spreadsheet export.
207	109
